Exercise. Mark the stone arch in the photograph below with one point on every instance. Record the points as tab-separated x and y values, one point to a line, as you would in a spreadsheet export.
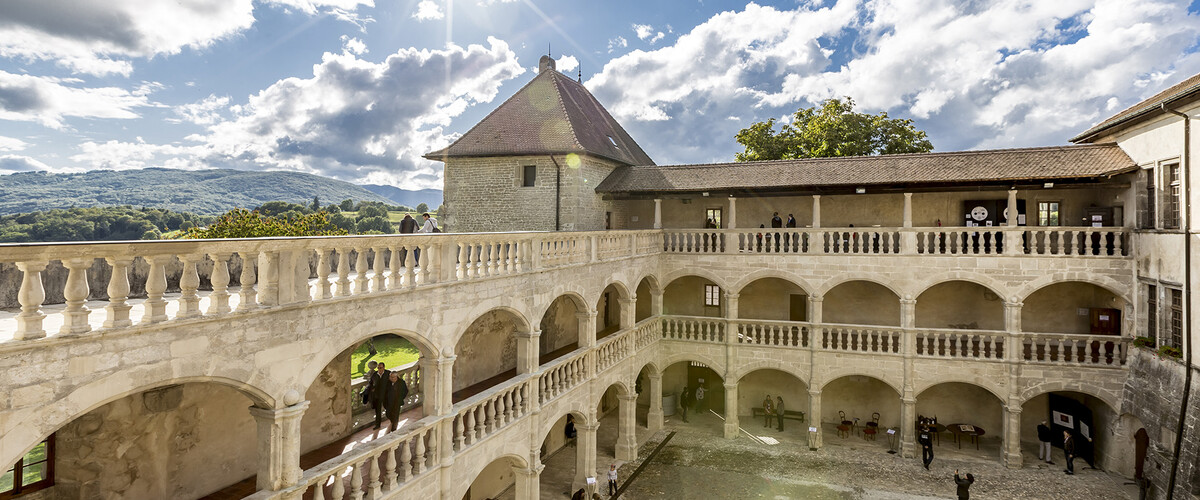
576	294
1115	287
652	365
475	467
623	290
855	372
508	305
848	277
995	390
623	388
961	304
693	271
1081	386
22	435
992	284
679	357
582	417
355	334
652	282
788	276
739	371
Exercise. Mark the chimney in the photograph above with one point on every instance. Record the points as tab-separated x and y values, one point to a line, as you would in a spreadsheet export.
545	64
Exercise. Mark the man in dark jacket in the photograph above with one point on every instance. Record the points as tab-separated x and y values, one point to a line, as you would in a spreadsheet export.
964	485
779	409
408	224
1069	451
397	392
685	402
925	438
776	221
1044	437
377	383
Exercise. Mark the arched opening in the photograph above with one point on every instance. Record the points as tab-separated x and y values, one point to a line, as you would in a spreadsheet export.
861	303
645	298
608	312
756	387
497	479
157	443
1073	307
1094	424
970	419
691	376
773	299
961	305
856	399
560	328
693	296
560	455
608	435
486	354
642	386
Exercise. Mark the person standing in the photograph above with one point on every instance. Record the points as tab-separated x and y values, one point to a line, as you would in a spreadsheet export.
925	438
1069	451
1044	436
429	226
408	225
769	410
791	222
699	398
964	485
685	402
776	221
779	412
378	383
366	393
397	392
612	480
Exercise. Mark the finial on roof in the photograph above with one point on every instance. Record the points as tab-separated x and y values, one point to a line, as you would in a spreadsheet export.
580	77
545	64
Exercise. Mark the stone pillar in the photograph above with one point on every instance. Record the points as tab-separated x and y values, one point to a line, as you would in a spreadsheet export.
585	453
627	427
731	416
816	211
908	425
75	291
1010	453
1012	208
908	312
731	305
529	481
628	312
587	328
815	315
279	445
1012	325
814	416
658	213
1013	239
732	219
907	209
442	383
654	418
908	237
656	303
527	351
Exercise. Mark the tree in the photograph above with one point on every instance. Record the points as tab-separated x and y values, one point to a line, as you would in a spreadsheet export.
376	224
832	129
242	223
347	205
316	204
422	208
366	211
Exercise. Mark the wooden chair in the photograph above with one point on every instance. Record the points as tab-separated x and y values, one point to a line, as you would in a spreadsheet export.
846	427
872	427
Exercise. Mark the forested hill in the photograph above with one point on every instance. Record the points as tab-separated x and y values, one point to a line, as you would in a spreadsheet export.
208	192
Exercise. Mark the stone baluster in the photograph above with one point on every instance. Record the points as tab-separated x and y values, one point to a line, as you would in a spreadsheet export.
319	491
324	286
375	483
218	300
118	293
360	271
343	271
356	480
410	263
469	430
248	294
339	486
396	266
156	285
75	291
405	461
268	277
378	283
389	467
189	281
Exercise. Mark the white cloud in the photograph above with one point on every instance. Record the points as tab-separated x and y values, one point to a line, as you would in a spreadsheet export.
646	33
973	74
428	10
120	155
48	100
205	112
353	45
15	163
566	63
12	144
617	43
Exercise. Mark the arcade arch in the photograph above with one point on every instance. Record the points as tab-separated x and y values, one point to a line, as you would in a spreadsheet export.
861	302
487	352
961	305
646	291
773	299
755	386
693	296
497	477
1109	443
561	327
859	396
1073	307
608	310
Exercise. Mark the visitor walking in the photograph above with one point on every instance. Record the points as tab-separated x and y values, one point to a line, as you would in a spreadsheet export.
378	382
964	485
685	402
397	392
1044	436
366	393
779	412
925	438
776	221
769	410
612	480
1069	451
569	429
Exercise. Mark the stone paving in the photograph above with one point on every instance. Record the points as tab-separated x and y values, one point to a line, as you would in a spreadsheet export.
699	463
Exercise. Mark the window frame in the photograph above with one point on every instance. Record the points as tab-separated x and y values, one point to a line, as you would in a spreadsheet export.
1175	330
714	294
528	180
720	215
1057	212
1152	311
1172	217
1151	221
46	481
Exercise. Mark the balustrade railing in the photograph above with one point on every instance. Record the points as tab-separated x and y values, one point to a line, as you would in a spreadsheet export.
647	331
1078	350
772	333
693	328
487	413
975	344
561	375
858	338
614	349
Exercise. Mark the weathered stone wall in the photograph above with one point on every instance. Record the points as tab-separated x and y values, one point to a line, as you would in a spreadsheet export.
329	415
861	303
768	298
177	442
1056	308
755	386
685	296
958	403
960	304
560	325
859	397
488	348
1153	394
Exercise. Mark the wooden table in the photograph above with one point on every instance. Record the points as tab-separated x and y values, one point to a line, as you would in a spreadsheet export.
960	430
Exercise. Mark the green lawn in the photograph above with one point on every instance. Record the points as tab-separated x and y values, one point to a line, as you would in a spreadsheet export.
392	350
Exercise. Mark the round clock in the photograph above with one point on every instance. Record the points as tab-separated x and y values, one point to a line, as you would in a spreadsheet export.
979	213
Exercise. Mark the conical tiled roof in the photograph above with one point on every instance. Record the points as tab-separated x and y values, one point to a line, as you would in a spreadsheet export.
552	114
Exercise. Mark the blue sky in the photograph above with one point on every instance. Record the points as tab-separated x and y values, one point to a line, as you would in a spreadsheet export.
360	89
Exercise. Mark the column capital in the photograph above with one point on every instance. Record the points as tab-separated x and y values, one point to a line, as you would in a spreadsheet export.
590	426
816	297
628	397
906	301
532	334
814	393
816	196
586	314
656	376
730	385
444	360
1014	305
732	296
632	301
280	413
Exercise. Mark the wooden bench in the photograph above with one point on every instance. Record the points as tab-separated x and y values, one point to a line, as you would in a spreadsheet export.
787	414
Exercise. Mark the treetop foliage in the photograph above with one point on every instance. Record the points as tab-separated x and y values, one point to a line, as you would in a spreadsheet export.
831	129
95	224
242	223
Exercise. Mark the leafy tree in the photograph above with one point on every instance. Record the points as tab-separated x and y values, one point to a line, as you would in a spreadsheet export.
374	224
831	129
441	211
422	208
152	234
366	211
273	208
242	223
340	221
316	204
347	205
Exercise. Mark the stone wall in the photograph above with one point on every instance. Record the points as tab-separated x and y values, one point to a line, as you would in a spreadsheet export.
329	415
859	397
685	296
560	326
1153	394
861	303
488	348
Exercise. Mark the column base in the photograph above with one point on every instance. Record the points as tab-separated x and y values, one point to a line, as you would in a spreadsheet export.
626	452
1013	460
654	420
908	450
731	429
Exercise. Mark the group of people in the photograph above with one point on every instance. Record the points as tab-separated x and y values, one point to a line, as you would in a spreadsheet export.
774	410
689	398
408	224
1044	437
386	393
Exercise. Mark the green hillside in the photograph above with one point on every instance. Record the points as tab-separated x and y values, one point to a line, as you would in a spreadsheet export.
207	192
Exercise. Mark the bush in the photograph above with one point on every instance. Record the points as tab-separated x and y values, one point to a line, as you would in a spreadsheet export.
242	223
1168	351
1148	342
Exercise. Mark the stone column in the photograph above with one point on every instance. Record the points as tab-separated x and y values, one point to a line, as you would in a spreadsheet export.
529	481
731	416
654	418
908	312
814	416
732	219
628	311
75	291
527	351
279	445
816	211
585	453
1013	240
1012	325
656	302
627	427
587	328
907	209
1010	453
441	386
731	305
1012	208
815	316
908	425
908	237
908	400
658	213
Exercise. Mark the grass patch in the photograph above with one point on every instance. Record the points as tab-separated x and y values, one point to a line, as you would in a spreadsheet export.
391	350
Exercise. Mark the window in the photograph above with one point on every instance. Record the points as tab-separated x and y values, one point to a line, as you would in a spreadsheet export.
1152	311
1176	337
712	295
1151	211
529	176
1048	213
32	472
1171	204
712	218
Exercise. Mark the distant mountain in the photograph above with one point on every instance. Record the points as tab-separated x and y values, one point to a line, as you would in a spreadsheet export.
199	191
431	197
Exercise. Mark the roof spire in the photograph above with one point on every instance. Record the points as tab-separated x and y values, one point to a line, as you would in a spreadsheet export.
580	77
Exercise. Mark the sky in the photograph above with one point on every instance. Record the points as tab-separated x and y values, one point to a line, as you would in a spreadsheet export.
359	90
